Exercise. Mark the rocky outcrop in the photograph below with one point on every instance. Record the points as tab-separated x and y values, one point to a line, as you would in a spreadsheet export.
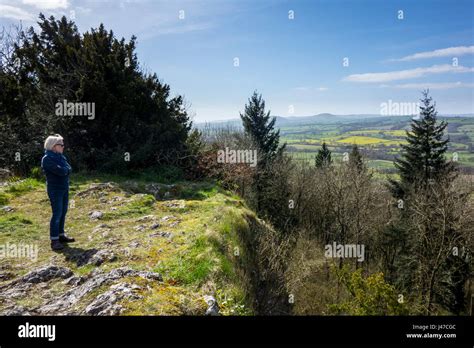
18	288
94	188
175	204
96	215
161	234
96	257
45	274
106	303
67	303
212	306
5	174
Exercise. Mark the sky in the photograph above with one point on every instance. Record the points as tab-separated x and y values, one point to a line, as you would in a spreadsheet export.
304	56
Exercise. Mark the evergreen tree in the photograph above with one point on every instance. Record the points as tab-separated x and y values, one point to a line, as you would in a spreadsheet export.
355	159
423	158
261	128
134	112
323	157
431	220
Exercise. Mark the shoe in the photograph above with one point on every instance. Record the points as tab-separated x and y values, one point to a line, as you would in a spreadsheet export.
66	239
56	245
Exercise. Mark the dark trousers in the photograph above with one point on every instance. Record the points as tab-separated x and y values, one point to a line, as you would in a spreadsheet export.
59	202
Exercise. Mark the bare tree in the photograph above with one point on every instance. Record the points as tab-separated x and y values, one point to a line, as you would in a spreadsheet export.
441	225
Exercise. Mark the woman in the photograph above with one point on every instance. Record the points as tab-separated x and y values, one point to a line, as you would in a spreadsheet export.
57	170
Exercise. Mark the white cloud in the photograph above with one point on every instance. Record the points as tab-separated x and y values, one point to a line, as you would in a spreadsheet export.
23	10
432	85
444	52
47	4
184	28
308	89
12	12
407	74
83	10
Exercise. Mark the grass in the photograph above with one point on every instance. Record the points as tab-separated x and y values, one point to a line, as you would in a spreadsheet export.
139	205
393	133
381	164
210	258
23	186
363	140
196	260
11	221
4	198
191	266
17	228
381	136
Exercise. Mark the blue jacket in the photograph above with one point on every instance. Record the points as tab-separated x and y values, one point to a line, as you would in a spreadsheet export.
57	170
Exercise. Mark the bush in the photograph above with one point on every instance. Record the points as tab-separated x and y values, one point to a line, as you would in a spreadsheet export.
143	201
37	173
369	295
4	198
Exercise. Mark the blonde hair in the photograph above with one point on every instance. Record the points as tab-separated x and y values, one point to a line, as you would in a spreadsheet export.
52	140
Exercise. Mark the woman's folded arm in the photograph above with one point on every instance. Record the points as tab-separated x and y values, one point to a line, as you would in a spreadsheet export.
50	165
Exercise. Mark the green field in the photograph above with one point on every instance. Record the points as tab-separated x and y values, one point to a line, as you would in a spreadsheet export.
378	138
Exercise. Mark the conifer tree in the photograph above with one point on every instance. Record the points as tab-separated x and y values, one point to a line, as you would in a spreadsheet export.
423	158
261	127
431	220
323	157
56	64
355	159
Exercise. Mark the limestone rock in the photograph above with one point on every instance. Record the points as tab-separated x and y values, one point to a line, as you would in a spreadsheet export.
175	204
212	307
161	234
96	215
19	287
17	311
5	174
95	257
154	226
134	244
46	273
106	303
146	218
97	187
65	303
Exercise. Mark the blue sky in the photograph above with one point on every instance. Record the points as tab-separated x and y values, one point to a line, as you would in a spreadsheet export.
296	63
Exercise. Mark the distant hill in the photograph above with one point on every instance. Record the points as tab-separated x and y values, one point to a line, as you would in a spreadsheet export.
324	118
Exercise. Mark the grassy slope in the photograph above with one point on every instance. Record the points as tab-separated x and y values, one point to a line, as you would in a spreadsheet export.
202	256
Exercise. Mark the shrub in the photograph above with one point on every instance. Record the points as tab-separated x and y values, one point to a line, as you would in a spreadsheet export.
37	173
369	295
4	198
